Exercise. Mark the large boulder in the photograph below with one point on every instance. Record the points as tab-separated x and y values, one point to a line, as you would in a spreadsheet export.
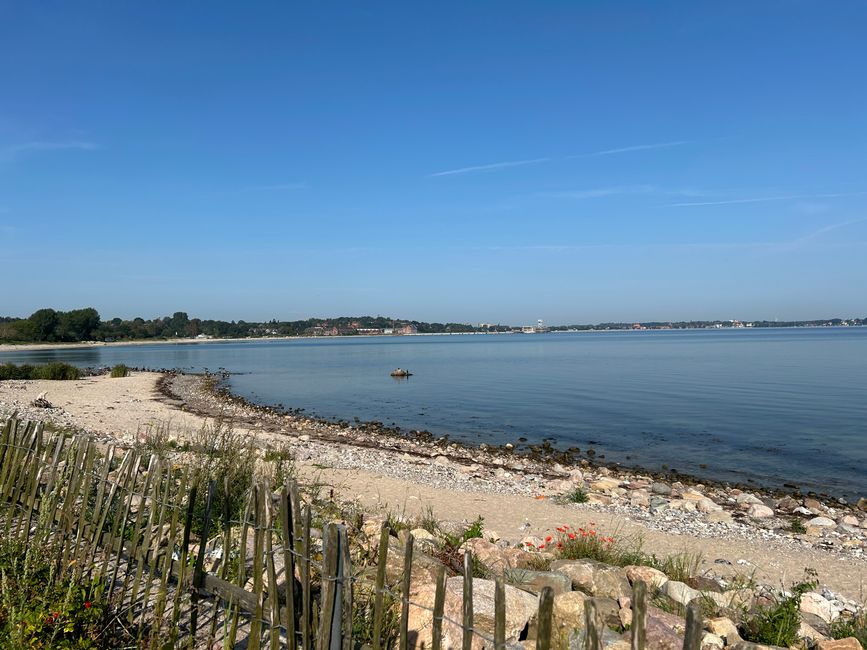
535	581
521	608
595	578
496	557
651	577
664	631
849	643
680	592
813	603
424	567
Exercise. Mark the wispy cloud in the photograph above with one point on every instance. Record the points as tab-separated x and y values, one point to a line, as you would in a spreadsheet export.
598	192
781	245
279	187
13	151
631	148
490	167
763	199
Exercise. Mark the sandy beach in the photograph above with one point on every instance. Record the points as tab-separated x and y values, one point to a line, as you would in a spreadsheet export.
515	497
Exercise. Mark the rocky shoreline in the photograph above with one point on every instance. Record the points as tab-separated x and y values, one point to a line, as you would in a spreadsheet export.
682	505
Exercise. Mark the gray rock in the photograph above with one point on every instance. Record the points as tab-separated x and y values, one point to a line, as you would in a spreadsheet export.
595	578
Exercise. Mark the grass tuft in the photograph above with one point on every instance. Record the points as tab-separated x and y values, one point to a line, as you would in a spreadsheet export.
120	370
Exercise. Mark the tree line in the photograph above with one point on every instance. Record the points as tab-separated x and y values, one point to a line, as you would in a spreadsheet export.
77	325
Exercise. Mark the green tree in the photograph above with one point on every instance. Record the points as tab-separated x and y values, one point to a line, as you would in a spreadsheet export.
42	325
78	324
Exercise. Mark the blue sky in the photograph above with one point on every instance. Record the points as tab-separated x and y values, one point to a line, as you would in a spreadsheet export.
486	161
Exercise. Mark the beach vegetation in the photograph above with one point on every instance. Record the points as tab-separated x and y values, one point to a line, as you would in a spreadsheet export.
778	623
55	370
120	370
41	609
855	626
578	495
797	526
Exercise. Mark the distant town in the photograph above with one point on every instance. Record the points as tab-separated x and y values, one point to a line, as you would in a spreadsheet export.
77	325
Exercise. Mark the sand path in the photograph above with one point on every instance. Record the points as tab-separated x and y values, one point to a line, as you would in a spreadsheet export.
126	407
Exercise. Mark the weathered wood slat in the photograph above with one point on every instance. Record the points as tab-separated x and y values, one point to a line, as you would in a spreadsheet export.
379	594
404	592
439	607
639	615
467	609
545	620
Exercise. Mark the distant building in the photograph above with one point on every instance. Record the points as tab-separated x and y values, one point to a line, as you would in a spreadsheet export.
409	328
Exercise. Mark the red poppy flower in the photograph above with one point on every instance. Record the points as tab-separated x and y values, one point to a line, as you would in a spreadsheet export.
86	604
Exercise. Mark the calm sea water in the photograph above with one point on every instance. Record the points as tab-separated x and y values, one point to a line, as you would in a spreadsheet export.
768	406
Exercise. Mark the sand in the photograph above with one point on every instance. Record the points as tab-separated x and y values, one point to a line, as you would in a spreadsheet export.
125	407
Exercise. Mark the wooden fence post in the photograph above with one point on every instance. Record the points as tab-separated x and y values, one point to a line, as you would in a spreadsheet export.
439	606
404	592
330	619
379	594
639	615
500	613
198	573
546	618
467	610
694	632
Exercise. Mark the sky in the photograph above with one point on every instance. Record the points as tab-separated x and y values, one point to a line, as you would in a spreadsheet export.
471	162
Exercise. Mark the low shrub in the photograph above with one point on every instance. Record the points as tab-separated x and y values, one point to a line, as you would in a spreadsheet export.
39	609
778	624
853	626
120	370
54	370
578	495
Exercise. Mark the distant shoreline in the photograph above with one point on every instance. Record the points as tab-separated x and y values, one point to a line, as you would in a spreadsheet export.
29	347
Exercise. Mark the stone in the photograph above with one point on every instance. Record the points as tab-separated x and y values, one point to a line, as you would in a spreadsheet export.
625	615
807	631
849	643
664	631
814	505
490	535
604	484
747	498
759	511
660	488
787	504
711	641
814	603
706	505
849	520
680	592
535	581
569	610
822	522
595	578
495	557
734	598
720	517
651	577
862	504
725	628
658	504
521	607
424	567
747	645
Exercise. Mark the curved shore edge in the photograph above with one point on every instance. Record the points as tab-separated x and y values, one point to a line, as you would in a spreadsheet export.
549	460
735	531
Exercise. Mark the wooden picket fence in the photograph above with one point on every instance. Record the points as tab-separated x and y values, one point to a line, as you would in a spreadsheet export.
103	516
